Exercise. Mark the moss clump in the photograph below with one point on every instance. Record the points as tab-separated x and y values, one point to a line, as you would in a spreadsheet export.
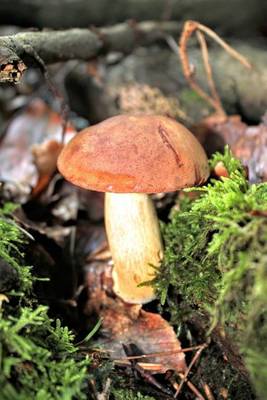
37	356
216	261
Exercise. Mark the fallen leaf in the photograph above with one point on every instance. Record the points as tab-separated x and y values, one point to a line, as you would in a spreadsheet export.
37	124
149	333
125	324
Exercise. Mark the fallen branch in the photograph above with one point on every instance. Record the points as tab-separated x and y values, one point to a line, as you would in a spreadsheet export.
41	48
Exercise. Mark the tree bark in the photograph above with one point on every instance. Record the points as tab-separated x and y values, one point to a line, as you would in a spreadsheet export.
244	17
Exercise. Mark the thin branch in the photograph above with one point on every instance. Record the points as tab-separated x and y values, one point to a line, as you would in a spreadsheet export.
189	28
190	386
188	70
193	361
208	391
205	56
162	353
232	52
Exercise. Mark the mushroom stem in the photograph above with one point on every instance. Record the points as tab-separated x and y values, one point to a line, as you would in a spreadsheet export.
135	242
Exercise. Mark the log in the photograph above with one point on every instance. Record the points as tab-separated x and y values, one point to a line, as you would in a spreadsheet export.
243	17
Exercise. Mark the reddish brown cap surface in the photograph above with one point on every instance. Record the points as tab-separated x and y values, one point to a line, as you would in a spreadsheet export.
140	154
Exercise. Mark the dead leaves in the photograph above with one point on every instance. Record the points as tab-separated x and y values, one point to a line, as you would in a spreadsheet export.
29	150
150	335
248	143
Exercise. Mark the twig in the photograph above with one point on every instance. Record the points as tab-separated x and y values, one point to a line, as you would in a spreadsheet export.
205	56
193	389
193	361
162	354
208	391
105	394
144	374
189	28
190	385
235	54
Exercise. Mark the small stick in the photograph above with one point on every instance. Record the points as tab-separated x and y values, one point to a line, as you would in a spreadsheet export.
205	56
190	385
208	391
189	28
235	54
193	389
162	354
144	374
193	361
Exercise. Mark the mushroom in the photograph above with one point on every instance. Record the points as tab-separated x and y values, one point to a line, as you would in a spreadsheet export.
129	157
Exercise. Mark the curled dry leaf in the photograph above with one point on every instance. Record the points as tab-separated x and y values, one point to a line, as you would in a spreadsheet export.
248	143
125	324
37	125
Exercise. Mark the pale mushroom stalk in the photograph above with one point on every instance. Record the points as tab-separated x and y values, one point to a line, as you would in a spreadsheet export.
135	242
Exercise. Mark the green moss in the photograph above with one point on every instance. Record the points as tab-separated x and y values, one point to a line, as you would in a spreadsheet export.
216	260
37	356
11	238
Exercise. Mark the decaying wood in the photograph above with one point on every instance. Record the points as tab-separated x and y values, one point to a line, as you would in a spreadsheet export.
41	48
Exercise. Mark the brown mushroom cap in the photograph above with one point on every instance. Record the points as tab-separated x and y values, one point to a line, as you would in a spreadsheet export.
139	154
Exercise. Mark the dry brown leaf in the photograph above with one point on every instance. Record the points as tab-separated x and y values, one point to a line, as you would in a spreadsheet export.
125	324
